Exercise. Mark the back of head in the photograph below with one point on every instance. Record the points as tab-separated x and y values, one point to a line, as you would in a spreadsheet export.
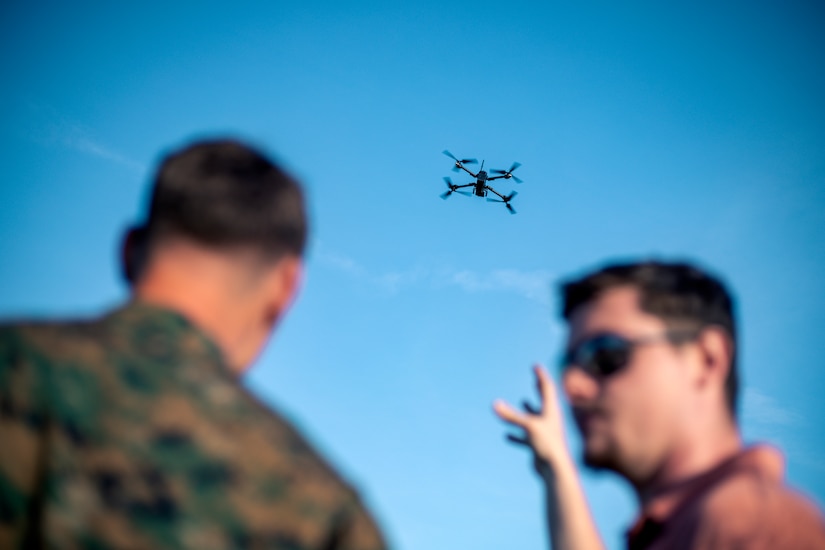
681	294
223	194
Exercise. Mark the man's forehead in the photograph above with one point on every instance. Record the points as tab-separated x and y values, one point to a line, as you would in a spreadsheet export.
615	310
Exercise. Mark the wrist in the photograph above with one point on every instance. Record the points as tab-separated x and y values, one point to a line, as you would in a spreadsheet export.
556	467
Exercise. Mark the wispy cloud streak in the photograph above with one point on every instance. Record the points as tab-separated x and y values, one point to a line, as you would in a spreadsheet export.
532	285
763	410
53	128
86	145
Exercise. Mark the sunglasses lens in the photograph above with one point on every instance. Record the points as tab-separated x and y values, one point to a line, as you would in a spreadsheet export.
610	356
601	356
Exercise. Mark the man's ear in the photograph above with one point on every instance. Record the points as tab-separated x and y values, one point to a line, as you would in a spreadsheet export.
283	281
133	253
716	354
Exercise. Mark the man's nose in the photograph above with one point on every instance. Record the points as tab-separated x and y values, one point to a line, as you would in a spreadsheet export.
579	387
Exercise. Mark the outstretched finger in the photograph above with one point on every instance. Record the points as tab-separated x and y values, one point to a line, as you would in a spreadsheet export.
529	407
518	440
546	386
509	414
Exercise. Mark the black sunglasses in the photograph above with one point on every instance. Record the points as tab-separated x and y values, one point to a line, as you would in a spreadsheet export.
606	354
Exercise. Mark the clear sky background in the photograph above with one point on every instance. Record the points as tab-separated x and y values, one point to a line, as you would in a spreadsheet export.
669	129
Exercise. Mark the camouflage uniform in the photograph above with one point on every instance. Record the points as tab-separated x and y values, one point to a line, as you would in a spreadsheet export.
131	432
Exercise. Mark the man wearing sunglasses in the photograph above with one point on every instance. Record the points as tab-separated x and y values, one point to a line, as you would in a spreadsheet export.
651	378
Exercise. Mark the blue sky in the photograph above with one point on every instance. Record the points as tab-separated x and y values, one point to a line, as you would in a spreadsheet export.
687	130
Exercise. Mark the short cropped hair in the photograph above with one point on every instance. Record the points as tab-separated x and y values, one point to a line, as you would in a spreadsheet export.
225	194
681	294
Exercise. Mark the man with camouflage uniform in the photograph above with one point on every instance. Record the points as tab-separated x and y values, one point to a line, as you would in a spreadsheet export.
133	430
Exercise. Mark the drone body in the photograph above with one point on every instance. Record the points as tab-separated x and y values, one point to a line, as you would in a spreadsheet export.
480	187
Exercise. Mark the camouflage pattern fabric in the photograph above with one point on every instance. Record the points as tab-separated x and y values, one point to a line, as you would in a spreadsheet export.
131	432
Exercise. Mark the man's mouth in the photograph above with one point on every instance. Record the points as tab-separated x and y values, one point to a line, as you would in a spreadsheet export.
587	419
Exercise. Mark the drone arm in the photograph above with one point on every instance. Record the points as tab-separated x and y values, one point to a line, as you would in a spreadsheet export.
496	177
465	185
465	169
499	195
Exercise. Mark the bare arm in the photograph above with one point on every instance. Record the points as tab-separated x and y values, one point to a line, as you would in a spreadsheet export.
570	524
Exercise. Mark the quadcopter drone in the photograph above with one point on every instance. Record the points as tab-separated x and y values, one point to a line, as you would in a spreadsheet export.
480	186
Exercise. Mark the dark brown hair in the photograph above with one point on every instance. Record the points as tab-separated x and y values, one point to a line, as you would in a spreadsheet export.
225	194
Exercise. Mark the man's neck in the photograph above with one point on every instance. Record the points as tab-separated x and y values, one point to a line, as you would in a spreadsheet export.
695	456
204	289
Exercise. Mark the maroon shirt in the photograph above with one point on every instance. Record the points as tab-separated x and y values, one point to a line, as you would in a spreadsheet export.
743	503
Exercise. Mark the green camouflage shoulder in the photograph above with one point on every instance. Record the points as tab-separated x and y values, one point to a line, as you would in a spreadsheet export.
23	398
132	433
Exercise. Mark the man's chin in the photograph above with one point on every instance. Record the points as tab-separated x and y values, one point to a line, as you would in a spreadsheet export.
598	459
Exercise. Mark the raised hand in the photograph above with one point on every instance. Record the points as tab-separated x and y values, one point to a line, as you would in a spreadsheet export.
569	522
542	426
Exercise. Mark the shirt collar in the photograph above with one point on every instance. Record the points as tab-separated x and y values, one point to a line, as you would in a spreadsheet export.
763	460
165	335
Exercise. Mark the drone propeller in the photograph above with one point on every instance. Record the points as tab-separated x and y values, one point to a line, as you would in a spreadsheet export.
506	201
449	192
453	189
462	161
513	167
509	173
